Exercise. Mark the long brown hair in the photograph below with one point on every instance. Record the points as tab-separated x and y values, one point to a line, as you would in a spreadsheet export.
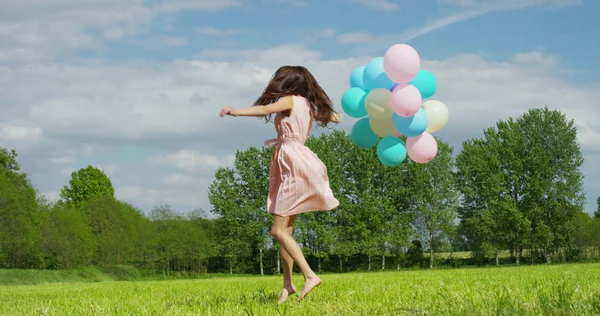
297	80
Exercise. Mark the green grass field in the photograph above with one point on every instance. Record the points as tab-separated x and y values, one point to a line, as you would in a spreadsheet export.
539	290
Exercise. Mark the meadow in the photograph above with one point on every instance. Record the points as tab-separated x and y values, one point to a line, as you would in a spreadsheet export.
526	290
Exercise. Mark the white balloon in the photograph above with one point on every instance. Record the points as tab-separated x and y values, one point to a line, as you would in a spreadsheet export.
437	115
379	104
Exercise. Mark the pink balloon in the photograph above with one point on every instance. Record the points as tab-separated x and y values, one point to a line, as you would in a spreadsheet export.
406	100
401	63
422	149
397	134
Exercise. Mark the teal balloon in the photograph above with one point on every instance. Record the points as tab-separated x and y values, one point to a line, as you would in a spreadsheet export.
426	83
356	78
362	135
391	151
411	126
353	102
375	77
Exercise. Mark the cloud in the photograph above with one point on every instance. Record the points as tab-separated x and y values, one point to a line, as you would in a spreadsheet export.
64	160
475	8
190	160
178	179
128	113
18	133
213	31
524	3
380	5
356	38
293	3
59	27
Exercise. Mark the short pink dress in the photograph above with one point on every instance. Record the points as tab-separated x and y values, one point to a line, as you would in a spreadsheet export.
298	181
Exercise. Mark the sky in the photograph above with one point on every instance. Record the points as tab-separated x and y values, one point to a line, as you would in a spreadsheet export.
134	87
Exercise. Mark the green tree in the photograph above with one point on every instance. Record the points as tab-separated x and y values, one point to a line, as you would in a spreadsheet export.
85	184
20	216
554	183
435	198
597	213
252	169
225	199
525	173
67	241
119	229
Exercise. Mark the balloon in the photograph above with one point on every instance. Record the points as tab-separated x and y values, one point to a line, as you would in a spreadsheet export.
356	78
396	133
362	135
437	115
391	151
382	128
422	149
353	102
411	126
375	77
426	83
406	100
378	104
396	85
401	63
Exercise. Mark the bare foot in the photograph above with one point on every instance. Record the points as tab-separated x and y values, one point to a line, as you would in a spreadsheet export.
309	285
285	292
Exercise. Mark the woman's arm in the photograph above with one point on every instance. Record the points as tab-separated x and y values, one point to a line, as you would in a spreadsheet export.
283	104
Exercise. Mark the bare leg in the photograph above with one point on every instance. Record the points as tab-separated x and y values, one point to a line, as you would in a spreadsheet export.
288	266
279	232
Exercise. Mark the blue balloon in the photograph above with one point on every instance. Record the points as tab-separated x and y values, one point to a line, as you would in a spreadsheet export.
391	151
362	135
375	76
356	78
411	126
426	83
353	102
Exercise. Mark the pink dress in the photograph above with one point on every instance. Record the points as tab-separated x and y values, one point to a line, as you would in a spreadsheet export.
298	181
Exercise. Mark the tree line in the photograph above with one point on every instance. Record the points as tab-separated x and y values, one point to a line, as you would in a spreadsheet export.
516	190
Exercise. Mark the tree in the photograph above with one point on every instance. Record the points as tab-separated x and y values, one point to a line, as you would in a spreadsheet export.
252	169
525	175
554	188
225	199
20	216
435	198
597	213
119	229
85	184
68	241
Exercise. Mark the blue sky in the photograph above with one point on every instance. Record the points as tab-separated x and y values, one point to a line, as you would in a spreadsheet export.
134	86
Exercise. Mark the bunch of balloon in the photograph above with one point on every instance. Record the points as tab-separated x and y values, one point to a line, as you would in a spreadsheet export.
387	96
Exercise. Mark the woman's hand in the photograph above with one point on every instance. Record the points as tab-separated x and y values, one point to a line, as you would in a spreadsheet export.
227	111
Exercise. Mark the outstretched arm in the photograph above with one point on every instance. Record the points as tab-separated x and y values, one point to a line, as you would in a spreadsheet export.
283	104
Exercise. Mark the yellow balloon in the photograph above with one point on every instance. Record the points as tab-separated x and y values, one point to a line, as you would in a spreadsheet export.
383	128
437	115
379	104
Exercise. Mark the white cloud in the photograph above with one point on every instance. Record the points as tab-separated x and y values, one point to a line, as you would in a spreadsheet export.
190	160
213	31
356	38
178	179
381	5
64	160
293	3
43	29
525	3
15	133
83	109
